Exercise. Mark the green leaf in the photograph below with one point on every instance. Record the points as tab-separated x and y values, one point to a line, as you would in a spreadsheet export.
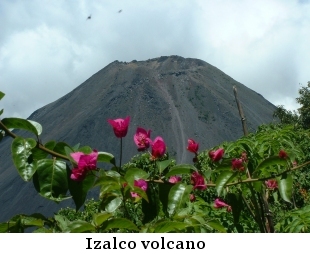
163	197
170	226
181	169
99	218
119	223
85	149
79	226
22	157
50	179
106	157
19	123
60	148
267	164
135	174
150	208
111	202
79	190
285	185
215	224
178	196
162	165
108	184
1	112
235	201
224	178
1	95
62	222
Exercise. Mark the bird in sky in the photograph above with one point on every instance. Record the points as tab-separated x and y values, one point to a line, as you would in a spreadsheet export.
89	17
120	11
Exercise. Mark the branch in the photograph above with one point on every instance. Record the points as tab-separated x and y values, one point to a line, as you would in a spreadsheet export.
41	147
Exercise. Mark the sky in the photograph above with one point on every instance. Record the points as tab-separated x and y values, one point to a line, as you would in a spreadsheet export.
49	47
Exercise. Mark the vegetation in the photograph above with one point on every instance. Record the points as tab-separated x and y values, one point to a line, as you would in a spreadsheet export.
258	183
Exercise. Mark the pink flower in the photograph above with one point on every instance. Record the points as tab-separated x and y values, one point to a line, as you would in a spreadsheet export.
220	204
216	155
142	184
198	181
142	139
237	164
120	126
174	179
192	198
271	184
244	156
158	148
192	146
85	163
283	154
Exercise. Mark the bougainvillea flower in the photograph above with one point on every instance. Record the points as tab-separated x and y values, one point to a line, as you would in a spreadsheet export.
220	204
158	147
271	184
142	184
237	164
174	179
78	174
120	126
192	197
192	146
216	155
283	154
244	156
142	139
84	163
198	181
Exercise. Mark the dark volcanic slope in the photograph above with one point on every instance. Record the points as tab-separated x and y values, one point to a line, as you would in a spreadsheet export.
176	98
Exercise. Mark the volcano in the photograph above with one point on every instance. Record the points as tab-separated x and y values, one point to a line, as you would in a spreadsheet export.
176	98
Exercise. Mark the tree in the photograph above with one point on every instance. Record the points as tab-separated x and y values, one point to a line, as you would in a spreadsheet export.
304	110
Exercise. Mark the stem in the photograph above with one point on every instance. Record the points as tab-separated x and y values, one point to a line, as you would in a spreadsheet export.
256	210
120	158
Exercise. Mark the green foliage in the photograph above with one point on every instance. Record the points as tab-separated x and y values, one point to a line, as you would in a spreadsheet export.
230	195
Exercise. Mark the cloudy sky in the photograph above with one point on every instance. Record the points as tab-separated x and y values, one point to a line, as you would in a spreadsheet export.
49	47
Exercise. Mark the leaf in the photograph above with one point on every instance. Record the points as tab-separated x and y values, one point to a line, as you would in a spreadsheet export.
135	174
19	123
79	226
1	112
267	163
150	208
285	185
170	226
215	224
163	197
85	149
235	201
224	178
162	165
119	223
99	218
181	169
178	196
1	95
106	157
108	184
79	190
62	222
60	148
22	157
50	179
111	202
